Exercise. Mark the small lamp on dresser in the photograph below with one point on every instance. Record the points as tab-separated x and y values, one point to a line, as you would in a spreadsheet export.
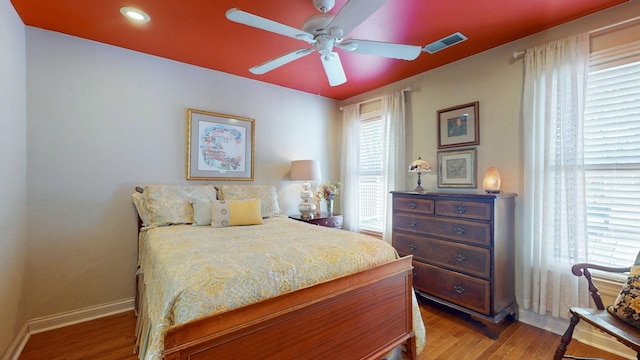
491	182
306	170
419	166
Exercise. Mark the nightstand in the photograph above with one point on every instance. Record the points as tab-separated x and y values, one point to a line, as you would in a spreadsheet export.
324	219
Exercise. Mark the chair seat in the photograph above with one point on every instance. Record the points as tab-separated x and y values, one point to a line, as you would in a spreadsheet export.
603	320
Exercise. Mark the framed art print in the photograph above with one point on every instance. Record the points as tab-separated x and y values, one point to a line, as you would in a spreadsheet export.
457	169
458	126
219	147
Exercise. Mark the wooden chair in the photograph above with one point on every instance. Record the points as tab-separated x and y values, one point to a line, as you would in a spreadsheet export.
599	317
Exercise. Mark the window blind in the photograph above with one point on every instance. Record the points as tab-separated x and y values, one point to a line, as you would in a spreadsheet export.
612	155
370	171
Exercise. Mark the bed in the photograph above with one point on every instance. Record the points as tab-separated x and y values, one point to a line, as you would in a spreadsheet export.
275	288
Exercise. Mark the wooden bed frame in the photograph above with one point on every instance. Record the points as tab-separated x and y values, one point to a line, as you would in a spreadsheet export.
364	315
359	316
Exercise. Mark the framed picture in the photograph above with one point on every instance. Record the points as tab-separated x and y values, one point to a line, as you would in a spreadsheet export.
219	147
457	169
458	126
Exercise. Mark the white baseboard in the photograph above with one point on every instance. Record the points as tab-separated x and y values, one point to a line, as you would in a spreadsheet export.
15	349
46	323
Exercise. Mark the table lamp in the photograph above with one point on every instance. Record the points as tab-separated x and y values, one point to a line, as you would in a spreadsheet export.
491	182
419	166
306	170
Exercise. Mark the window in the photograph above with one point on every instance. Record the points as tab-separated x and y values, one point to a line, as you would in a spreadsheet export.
371	186
612	155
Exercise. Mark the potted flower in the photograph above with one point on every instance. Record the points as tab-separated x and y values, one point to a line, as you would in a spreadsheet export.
328	192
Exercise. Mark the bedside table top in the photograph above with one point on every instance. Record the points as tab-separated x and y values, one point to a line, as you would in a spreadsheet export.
323	215
324	219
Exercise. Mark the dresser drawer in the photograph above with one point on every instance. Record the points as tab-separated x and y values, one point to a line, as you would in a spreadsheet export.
464	209
413	204
464	258
467	291
473	232
332	222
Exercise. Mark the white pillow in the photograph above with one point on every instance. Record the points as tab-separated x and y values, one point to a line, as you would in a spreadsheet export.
201	212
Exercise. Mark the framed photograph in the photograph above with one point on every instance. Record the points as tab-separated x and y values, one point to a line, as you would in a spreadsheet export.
458	126
457	169
219	147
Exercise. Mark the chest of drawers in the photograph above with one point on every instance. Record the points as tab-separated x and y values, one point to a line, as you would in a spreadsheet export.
463	251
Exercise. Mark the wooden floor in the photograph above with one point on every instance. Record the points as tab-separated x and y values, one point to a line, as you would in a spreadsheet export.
450	335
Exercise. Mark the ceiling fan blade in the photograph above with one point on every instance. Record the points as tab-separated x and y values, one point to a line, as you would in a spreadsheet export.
379	48
279	61
333	69
256	21
353	13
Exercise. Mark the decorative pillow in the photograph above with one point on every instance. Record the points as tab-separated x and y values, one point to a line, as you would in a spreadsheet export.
201	212
266	193
171	204
235	212
627	304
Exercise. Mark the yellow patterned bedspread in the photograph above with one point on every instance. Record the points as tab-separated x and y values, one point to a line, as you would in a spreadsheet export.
193	271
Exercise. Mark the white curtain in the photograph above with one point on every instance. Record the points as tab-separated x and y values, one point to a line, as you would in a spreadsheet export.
553	204
350	155
394	163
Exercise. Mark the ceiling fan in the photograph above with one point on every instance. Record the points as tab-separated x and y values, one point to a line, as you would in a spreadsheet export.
325	32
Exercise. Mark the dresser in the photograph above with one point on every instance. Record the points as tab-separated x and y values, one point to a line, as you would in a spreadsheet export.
463	251
324	219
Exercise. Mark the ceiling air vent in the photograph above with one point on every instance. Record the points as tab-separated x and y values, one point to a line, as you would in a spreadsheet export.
444	43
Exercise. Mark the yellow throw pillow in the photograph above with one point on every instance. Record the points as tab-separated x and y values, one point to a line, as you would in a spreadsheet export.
235	212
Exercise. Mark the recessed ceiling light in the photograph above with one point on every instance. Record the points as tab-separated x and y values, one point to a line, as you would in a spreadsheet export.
135	14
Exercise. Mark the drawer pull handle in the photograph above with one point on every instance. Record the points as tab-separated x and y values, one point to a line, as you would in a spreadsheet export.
461	209
335	223
413	223
412	247
413	205
459	230
458	289
460	257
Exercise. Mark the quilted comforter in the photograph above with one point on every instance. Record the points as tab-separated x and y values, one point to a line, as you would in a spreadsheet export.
187	272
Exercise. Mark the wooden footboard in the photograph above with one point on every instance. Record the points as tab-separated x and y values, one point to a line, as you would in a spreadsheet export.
360	316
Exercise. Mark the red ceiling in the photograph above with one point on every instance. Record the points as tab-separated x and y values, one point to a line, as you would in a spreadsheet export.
197	32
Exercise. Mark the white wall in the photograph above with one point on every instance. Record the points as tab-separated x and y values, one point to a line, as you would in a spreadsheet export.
102	120
13	174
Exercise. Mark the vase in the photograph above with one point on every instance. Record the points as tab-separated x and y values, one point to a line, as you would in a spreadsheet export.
330	207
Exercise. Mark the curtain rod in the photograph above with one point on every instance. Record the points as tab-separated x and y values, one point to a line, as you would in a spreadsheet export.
519	54
379	97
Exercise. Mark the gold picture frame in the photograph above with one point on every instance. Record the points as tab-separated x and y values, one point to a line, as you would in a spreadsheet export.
459	126
219	146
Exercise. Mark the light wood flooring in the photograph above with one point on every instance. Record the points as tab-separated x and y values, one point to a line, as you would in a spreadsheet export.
450	335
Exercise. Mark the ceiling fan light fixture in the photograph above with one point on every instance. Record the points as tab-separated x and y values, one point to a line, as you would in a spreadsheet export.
135	14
